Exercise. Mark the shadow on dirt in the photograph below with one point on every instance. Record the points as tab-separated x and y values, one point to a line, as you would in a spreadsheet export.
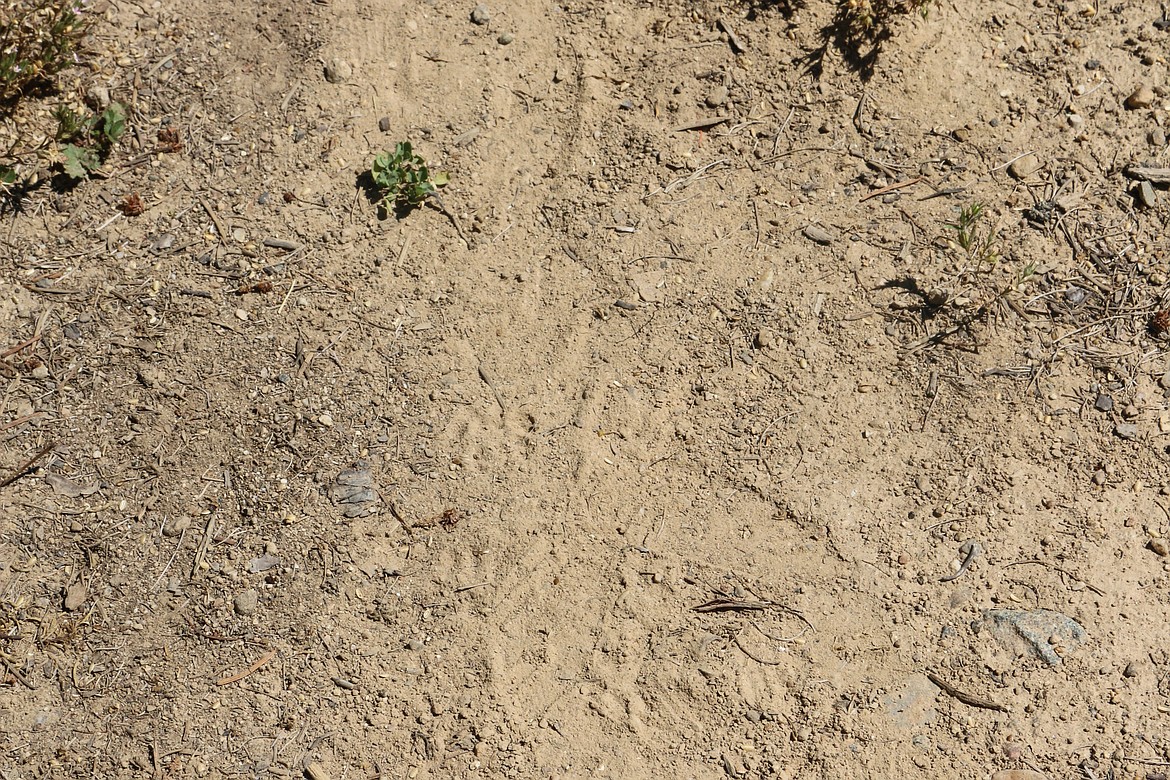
13	194
858	47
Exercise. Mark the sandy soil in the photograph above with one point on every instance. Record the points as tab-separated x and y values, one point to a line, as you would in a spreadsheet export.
670	470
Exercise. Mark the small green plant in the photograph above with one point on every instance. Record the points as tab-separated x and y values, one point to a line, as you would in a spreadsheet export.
403	178
38	39
88	139
978	244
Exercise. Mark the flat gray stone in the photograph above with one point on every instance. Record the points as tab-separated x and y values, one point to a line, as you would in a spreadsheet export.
1127	431
1031	630
355	490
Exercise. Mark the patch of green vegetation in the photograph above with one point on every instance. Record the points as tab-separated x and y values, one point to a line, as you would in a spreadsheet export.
403	178
979	244
88	139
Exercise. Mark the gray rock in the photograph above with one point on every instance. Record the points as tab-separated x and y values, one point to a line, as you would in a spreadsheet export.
1039	632
338	71
1104	402
505	38
384	124
263	563
1157	137
718	96
1127	431
354	490
481	15
245	603
1145	195
819	235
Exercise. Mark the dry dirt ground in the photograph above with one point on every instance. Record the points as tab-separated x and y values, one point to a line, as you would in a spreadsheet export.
669	470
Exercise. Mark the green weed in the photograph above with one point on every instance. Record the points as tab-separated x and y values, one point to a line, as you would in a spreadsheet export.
87	140
980	245
403	179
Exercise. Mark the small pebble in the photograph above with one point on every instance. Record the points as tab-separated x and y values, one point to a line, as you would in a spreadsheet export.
1157	137
1158	547
819	235
338	71
1104	402
717	97
326	420
75	596
245	603
1024	166
733	764
765	338
480	15
505	38
1145	195
176	525
384	124
1131	669
1142	97
1099	477
414	644
1127	431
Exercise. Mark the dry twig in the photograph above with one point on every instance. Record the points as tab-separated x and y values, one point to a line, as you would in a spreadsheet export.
260	662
